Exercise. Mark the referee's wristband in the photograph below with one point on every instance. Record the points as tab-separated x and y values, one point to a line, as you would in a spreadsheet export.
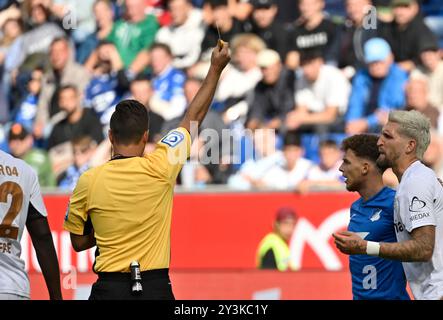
373	248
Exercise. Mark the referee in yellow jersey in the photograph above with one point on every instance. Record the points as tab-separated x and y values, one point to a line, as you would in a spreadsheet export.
124	206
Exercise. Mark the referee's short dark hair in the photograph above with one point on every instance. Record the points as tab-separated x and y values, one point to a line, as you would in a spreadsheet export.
129	122
364	146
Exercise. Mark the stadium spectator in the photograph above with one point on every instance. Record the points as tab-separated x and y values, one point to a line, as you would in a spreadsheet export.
168	99
273	96
21	146
227	24
432	66
372	217
9	10
432	157
313	30
418	207
11	30
24	187
353	34
407	33
63	71
28	51
160	10
141	90
31	48
133	33
80	16
375	89
321	96
281	170
288	12
83	148
26	112
241	77
273	251
265	25
144	233
239	9
104	21
78	122
325	175
108	83
417	97
184	35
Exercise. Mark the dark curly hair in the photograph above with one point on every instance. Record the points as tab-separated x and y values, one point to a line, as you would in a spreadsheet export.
364	146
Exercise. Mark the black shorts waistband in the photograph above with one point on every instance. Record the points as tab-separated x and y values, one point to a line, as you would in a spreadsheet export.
126	276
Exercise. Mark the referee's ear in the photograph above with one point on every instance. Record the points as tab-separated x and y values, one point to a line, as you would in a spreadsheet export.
111	138
145	137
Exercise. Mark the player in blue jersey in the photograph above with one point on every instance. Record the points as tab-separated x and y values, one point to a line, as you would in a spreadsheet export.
372	218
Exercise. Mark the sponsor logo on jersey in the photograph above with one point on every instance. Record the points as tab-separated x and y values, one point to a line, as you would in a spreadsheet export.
419	216
173	138
416	204
376	216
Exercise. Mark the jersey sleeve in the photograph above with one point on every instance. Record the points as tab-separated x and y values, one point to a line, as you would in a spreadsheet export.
36	198
171	153
77	213
418	204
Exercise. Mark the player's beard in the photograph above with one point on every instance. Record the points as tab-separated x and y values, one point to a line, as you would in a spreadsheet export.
383	162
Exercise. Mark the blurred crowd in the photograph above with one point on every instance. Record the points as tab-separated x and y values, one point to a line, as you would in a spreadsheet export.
312	71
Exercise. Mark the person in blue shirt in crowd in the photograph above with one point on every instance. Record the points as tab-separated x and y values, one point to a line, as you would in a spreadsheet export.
26	112
83	149
376	89
372	218
167	83
108	83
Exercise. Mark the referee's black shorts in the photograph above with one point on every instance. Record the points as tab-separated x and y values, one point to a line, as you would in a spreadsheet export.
118	286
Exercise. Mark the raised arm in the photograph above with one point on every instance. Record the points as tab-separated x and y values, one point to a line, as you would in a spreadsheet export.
199	106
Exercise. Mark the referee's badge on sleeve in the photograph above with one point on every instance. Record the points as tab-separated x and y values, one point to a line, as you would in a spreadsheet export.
173	138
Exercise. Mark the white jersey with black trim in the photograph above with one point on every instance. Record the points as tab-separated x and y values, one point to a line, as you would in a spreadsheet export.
19	188
419	202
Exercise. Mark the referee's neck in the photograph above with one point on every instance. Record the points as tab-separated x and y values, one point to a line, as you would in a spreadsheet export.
127	151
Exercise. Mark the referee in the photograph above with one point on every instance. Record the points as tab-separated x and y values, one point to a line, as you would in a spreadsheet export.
124	206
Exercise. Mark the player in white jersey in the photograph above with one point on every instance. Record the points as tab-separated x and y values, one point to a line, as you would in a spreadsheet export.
418	207
21	204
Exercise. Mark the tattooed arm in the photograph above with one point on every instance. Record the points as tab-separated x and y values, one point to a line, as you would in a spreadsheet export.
418	249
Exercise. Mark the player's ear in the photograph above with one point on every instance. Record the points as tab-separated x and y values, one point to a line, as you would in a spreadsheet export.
145	137
365	168
410	147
